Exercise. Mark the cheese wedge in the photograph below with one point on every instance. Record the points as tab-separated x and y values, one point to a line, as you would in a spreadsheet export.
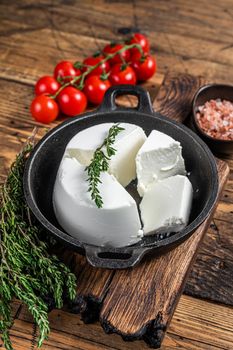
116	224
166	205
159	157
127	143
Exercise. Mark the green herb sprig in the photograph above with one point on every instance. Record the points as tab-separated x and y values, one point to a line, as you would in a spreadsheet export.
27	271
100	163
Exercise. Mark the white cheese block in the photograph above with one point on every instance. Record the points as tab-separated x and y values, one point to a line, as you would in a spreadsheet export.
127	143
166	205
116	224
158	158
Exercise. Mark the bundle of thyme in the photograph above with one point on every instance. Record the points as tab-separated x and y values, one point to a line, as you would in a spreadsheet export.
100	163
27	271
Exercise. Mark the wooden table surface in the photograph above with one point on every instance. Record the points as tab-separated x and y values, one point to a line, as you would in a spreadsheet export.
196	39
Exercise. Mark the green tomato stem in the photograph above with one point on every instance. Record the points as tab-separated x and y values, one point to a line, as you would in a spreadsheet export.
91	68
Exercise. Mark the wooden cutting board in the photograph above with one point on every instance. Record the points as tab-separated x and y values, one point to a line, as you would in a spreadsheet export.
139	303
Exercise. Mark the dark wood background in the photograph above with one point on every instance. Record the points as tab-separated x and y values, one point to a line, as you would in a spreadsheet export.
195	38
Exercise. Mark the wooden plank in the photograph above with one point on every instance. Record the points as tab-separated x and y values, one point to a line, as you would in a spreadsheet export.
92	286
225	212
176	94
227	196
204	51
139	306
195	325
21	64
141	302
210	275
103	16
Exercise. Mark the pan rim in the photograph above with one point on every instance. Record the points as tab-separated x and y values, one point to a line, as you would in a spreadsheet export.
163	243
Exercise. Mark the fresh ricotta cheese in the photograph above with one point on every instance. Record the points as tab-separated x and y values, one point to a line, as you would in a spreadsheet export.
127	143
166	205
158	158
158	163
116	224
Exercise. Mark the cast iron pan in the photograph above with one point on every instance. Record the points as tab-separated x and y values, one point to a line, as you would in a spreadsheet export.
42	167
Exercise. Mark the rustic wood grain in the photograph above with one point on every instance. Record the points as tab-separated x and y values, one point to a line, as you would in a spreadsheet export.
140	302
175	96
185	38
92	286
209	277
196	325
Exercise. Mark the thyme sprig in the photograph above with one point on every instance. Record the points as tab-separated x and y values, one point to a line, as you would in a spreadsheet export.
27	271
100	163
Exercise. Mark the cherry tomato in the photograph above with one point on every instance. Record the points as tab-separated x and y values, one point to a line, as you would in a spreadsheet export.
65	69
46	85
78	72
121	74
137	56
95	88
92	61
72	101
44	109
112	48
144	67
142	40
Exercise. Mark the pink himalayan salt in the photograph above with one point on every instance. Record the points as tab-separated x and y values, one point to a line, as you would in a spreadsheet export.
215	118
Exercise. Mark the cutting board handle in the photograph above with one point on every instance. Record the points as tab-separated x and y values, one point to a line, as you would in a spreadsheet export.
175	96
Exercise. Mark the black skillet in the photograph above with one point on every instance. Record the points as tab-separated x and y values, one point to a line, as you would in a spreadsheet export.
42	166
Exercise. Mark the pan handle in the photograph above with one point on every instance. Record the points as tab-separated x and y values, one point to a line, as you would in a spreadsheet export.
109	103
112	259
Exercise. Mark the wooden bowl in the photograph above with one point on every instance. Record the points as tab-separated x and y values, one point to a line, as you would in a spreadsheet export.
204	94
